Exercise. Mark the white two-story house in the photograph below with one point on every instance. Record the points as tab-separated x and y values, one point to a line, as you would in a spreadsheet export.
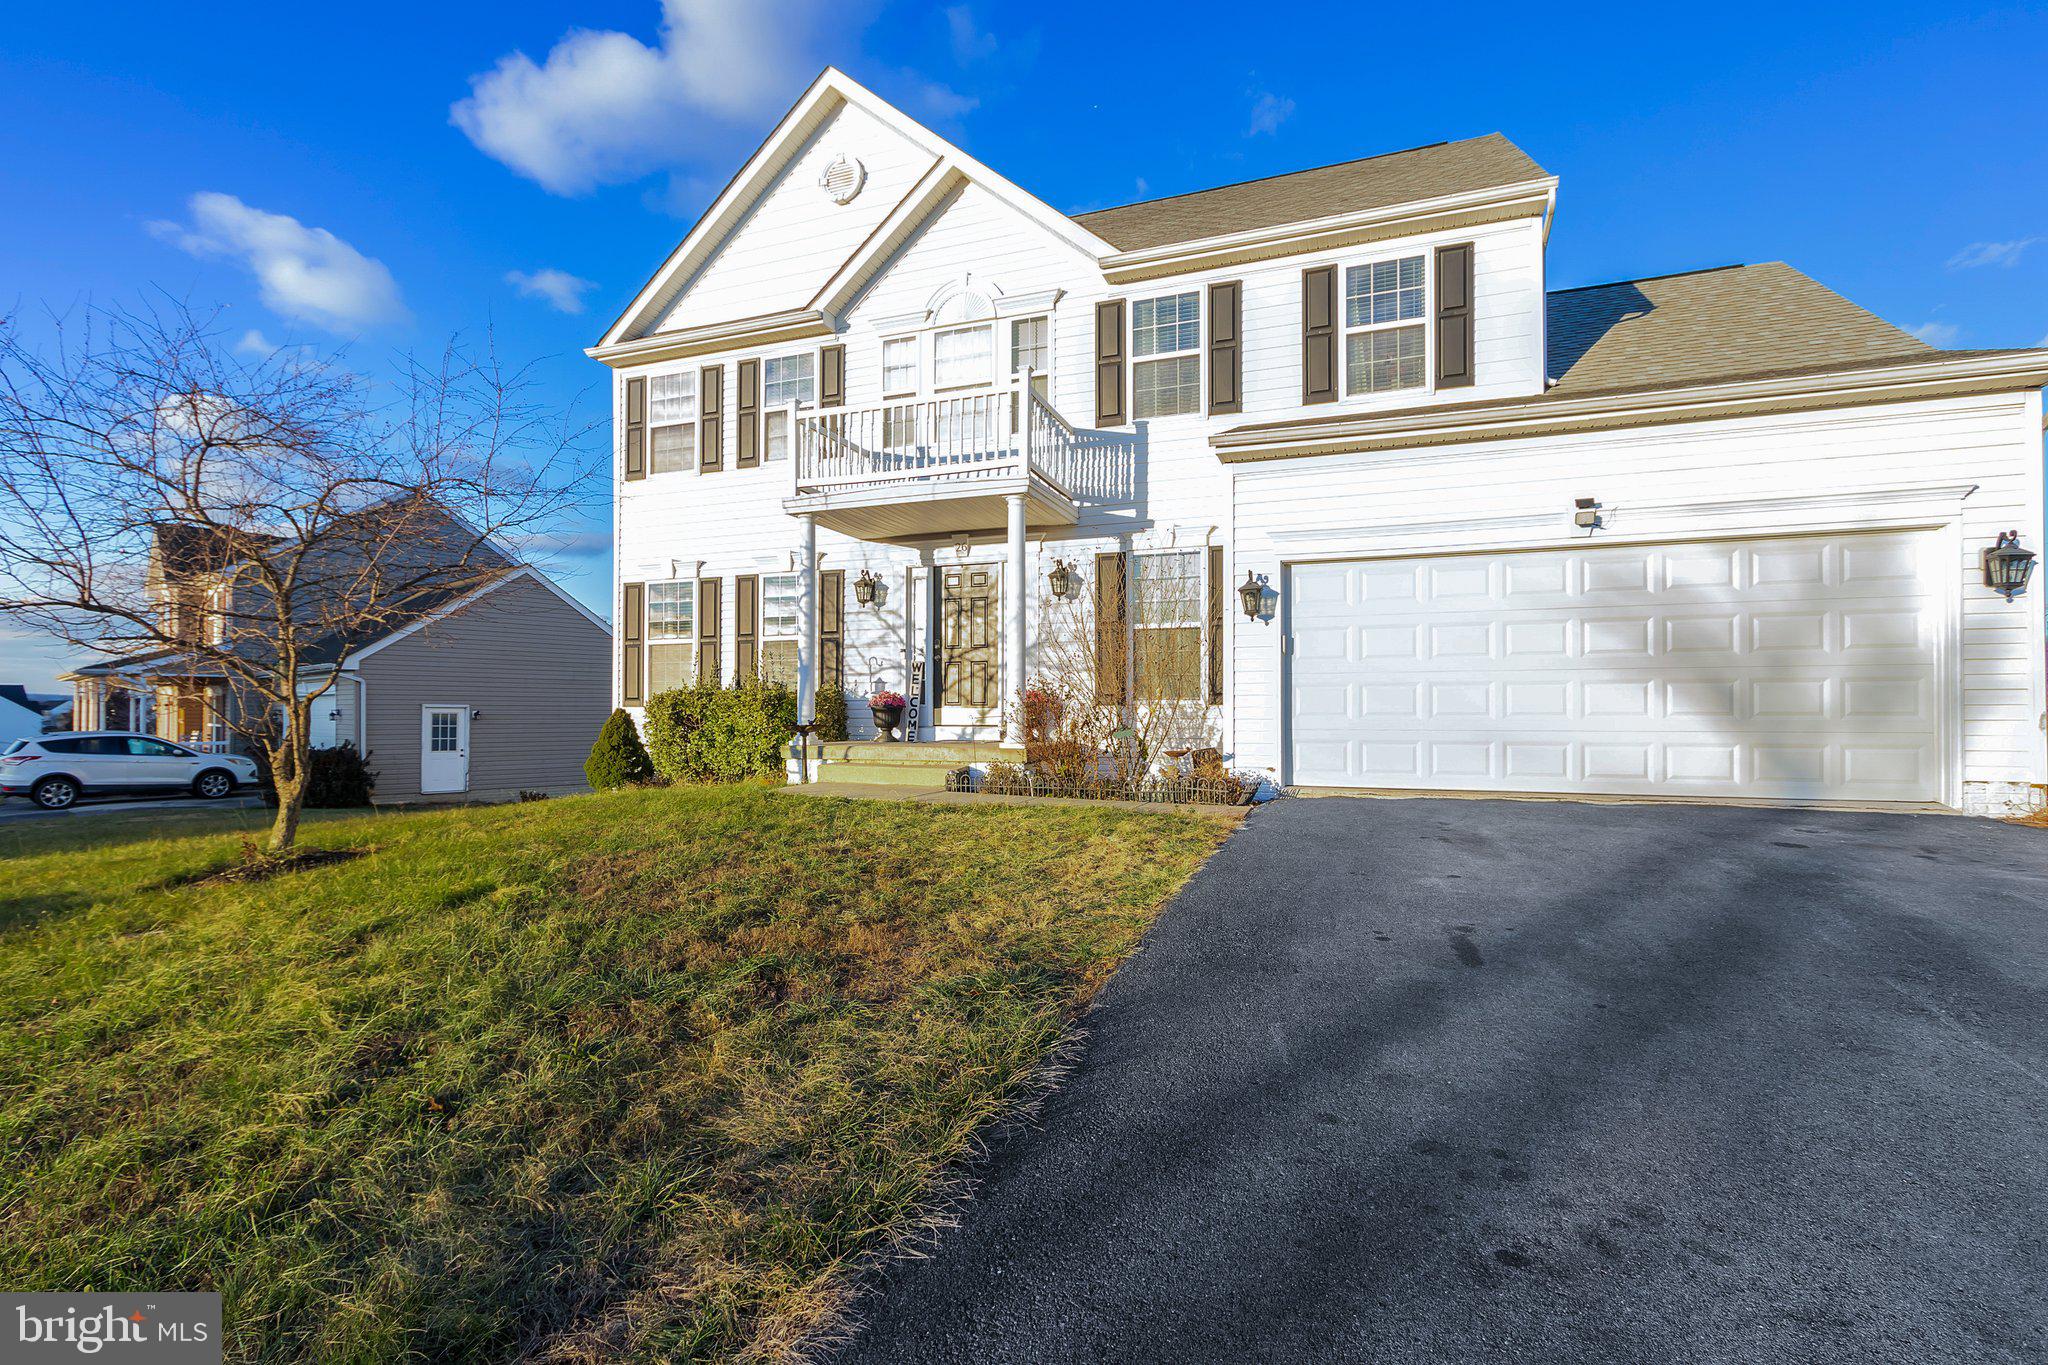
1426	523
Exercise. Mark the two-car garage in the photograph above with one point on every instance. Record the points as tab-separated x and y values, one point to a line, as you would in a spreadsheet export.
1788	668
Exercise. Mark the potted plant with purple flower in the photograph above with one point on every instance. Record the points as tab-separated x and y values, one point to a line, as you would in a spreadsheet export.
887	709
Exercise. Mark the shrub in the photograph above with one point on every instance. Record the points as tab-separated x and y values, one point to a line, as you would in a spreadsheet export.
830	707
336	779
618	759
707	733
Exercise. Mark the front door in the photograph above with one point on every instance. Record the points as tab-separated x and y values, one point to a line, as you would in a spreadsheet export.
970	645
444	749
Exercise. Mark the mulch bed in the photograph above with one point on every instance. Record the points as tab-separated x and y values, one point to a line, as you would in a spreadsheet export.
262	867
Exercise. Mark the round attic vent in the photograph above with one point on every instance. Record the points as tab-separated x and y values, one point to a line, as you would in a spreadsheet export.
842	178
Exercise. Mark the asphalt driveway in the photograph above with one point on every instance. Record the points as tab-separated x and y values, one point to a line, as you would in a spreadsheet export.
1454	1080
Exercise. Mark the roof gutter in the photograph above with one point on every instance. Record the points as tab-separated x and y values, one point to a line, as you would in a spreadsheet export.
2005	372
1469	208
767	329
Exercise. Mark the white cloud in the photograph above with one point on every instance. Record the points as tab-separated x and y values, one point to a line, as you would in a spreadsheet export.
301	272
1269	111
1936	333
1977	254
253	342
605	107
970	42
939	101
563	291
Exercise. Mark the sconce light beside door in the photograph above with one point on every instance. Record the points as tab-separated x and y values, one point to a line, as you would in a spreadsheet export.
1065	583
2007	567
864	588
1252	594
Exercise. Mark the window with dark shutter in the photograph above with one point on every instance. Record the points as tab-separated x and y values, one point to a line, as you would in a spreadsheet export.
632	643
711	419
1226	347
746	628
832	377
1110	408
710	632
1319	335
1112	629
1455	367
748	438
636	428
831	627
1213	627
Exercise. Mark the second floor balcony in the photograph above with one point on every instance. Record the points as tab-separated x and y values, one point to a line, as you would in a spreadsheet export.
929	467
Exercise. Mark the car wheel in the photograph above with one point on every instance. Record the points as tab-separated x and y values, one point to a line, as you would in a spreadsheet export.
55	793
213	784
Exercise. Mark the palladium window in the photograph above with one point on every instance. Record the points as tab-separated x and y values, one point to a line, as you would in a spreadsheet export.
672	422
671	635
1166	341
1166	625
778	628
961	357
1383	341
785	379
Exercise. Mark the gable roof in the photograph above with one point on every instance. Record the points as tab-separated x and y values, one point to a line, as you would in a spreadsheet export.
1707	326
1301	196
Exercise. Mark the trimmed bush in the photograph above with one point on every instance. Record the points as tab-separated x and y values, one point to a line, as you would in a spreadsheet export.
830	704
618	759
707	733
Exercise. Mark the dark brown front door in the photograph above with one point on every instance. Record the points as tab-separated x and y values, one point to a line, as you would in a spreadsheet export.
968	674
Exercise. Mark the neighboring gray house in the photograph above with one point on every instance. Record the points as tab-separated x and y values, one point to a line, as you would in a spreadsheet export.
499	692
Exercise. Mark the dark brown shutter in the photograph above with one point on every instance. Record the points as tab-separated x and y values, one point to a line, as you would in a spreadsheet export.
1454	359
746	629
1319	335
1215	631
832	377
632	618
711	420
831	627
748	441
1226	347
636	428
710	629
1111	630
1110	408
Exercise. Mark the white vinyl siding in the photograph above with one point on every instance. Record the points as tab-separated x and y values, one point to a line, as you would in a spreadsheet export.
1166	339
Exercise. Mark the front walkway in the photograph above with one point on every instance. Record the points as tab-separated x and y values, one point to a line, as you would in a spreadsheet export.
1472	1080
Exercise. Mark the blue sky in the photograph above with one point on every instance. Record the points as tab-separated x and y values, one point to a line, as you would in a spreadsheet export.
377	179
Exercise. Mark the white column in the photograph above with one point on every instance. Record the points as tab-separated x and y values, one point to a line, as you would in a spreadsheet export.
807	621
1014	580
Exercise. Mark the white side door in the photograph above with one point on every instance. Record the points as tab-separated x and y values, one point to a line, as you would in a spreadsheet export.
444	749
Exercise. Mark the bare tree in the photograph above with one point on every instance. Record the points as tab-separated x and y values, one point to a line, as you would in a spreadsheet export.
255	522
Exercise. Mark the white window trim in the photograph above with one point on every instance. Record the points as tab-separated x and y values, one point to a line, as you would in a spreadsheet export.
696	412
996	362
688	642
1200	291
1427	322
795	627
1200	623
916	343
768	409
1009	362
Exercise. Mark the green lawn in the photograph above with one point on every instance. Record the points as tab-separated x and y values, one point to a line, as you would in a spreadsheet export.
640	1076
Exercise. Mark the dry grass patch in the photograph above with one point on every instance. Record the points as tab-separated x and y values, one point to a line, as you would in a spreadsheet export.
635	1076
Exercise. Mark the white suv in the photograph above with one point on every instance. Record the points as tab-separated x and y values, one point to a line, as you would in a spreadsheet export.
56	770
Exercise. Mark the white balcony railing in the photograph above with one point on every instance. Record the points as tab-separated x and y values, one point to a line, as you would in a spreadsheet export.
963	439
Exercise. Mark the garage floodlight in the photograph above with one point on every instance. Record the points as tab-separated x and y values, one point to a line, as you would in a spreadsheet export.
2007	567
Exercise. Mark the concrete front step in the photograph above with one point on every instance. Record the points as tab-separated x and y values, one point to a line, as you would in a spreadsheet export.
928	776
944	753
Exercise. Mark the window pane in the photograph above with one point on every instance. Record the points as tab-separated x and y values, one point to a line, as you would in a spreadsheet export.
1163	388
899	426
671	610
899	365
789	379
1378	362
1163	326
1169	663
672	398
778	604
775	435
778	662
1385	291
1029	348
1167	588
670	667
961	357
673	449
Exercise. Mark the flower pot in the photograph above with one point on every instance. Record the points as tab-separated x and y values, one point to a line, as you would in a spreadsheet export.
887	718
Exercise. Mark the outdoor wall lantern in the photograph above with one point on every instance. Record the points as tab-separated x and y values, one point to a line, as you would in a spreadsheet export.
1253	594
1586	513
864	588
2007	567
1066	584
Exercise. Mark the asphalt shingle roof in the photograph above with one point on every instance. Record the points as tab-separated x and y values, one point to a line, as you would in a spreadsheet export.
1375	182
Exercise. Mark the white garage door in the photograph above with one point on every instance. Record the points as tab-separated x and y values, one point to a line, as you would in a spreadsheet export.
1799	668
